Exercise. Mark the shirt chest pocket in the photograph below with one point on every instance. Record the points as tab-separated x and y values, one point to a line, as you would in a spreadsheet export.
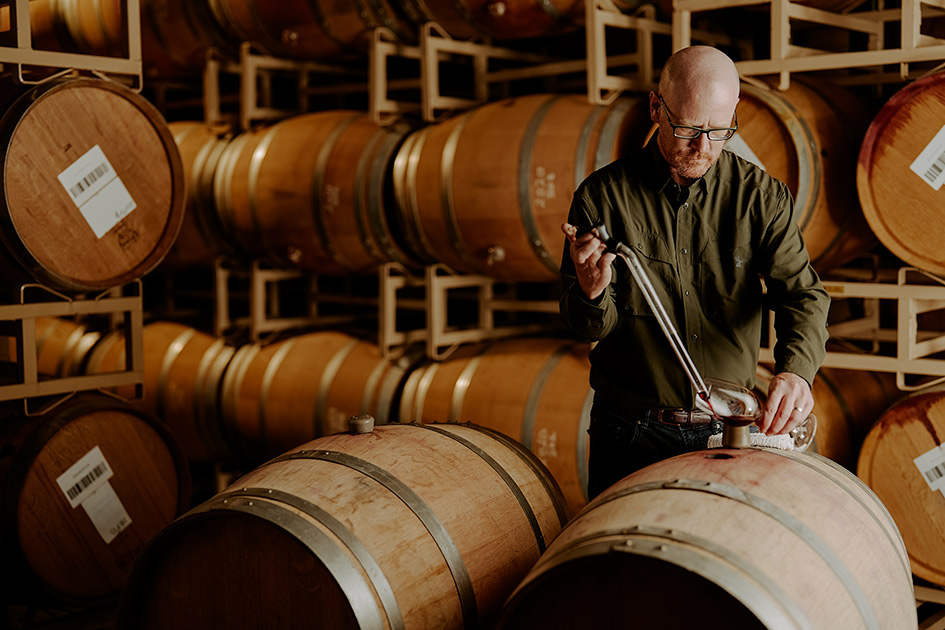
729	279
653	254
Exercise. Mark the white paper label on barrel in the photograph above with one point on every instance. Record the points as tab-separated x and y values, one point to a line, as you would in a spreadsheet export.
85	477
85	483
932	466
106	512
740	148
930	165
97	191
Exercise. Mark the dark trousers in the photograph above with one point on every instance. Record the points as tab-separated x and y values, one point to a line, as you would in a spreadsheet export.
623	443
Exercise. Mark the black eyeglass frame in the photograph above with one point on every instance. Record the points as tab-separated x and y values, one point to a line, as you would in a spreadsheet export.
699	130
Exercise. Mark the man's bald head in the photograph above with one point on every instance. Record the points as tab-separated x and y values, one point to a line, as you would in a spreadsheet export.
698	88
700	71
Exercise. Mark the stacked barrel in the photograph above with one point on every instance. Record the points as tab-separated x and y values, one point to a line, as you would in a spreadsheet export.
466	504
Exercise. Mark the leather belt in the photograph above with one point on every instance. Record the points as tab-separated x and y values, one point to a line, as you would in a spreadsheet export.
676	416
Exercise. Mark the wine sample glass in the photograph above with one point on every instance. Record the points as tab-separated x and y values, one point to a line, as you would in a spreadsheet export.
740	406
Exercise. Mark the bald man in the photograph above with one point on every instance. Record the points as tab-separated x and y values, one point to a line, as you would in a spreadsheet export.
707	225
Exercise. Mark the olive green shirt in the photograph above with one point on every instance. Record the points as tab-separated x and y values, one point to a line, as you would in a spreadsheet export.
705	254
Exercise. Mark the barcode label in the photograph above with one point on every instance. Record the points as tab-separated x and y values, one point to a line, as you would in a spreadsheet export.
930	164
86	481
932	466
85	477
97	191
935	474
89	179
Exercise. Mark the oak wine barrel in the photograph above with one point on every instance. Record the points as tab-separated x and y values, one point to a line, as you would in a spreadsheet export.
277	396
725	538
903	462
183	373
311	29
202	237
534	390
806	136
499	213
901	170
176	36
85	486
62	347
500	19
408	526
311	191
101	164
93	27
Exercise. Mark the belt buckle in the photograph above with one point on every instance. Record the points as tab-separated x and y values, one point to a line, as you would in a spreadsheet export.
671	416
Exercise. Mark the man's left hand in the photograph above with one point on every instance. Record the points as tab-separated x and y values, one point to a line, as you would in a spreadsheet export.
789	403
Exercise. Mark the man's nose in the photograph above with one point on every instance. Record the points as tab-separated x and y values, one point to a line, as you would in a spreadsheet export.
701	142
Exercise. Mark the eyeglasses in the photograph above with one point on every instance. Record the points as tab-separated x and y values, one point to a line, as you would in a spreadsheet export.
689	133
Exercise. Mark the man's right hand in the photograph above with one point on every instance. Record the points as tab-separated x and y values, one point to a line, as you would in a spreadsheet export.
591	260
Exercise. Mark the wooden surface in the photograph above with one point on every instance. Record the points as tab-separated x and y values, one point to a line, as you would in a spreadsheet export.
488	190
226	565
175	36
502	19
201	238
183	371
42	227
754	538
309	29
278	396
62	554
533	390
807	136
900	206
95	28
909	429
308	192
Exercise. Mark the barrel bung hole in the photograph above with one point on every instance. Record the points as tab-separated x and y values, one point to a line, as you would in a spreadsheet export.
719	456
